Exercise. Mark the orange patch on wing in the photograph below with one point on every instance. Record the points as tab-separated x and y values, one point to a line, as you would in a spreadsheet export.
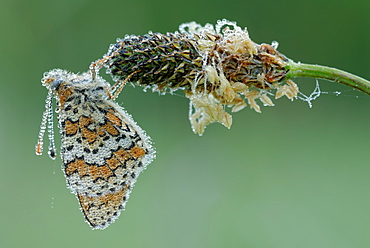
113	163
71	128
137	152
94	172
79	165
109	128
122	155
99	171
105	171
114	119
90	136
85	121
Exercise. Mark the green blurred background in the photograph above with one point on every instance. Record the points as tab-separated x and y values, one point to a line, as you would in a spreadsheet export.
289	177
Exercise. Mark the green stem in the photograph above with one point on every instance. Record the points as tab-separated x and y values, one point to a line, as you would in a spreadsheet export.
332	74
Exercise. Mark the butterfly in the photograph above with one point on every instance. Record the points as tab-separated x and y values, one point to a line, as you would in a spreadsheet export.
102	148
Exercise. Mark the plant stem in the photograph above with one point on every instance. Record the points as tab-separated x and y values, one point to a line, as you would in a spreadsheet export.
324	72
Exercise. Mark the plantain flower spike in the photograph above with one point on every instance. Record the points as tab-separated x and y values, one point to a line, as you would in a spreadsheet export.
216	66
